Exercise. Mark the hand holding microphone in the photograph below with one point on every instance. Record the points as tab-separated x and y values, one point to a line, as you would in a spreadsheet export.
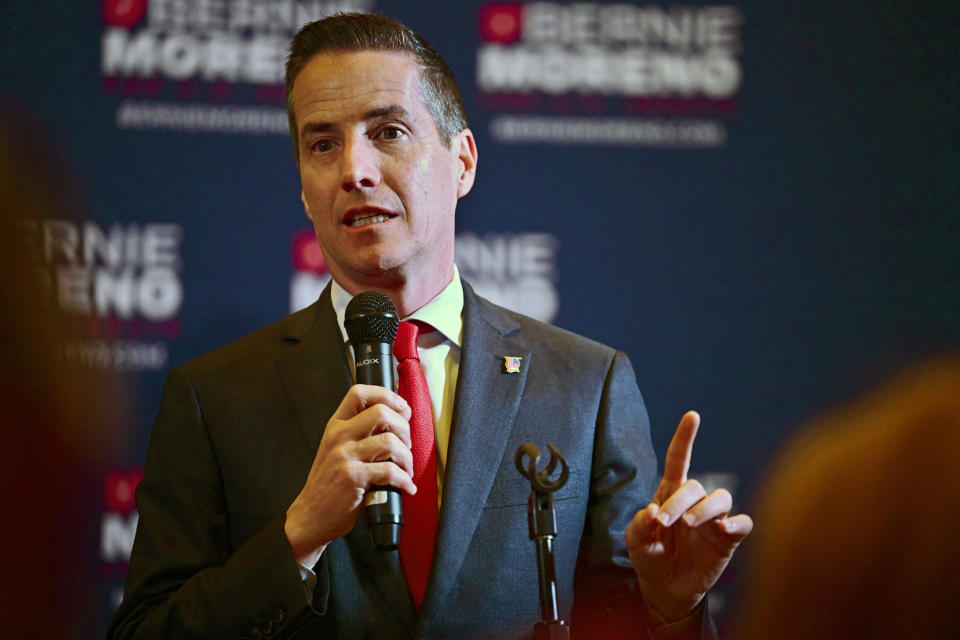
371	321
366	444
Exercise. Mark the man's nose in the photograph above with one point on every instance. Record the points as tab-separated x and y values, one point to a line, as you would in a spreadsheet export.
360	166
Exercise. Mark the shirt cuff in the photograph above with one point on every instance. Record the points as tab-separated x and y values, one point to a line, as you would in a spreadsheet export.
309	579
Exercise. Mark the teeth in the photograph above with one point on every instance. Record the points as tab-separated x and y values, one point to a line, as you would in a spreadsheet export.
362	220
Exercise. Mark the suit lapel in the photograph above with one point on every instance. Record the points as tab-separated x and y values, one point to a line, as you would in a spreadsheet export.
314	370
486	404
316	375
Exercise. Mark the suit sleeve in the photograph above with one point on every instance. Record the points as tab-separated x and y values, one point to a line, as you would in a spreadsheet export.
607	600
185	579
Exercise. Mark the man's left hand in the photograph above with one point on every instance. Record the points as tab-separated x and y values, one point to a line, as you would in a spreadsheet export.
681	542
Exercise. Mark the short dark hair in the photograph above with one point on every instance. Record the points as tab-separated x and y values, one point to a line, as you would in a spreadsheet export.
377	32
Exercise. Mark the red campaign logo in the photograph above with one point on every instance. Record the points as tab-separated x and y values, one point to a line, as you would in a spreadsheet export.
306	253
501	22
119	490
123	13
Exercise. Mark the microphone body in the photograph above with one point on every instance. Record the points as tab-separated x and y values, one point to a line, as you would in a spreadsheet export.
373	362
371	322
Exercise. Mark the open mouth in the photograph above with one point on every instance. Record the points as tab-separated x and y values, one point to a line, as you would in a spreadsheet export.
367	216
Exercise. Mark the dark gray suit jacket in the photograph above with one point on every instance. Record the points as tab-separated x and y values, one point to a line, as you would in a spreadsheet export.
235	438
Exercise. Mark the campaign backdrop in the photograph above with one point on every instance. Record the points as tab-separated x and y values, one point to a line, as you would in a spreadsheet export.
756	201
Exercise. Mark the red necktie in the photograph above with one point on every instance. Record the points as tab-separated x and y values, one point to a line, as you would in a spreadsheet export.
420	510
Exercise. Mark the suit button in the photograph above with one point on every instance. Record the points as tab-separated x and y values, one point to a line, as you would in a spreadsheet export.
279	615
267	627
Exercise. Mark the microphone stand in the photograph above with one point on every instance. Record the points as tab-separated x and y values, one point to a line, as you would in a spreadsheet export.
542	523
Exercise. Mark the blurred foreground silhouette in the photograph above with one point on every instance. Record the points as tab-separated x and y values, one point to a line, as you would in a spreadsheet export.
859	522
51	412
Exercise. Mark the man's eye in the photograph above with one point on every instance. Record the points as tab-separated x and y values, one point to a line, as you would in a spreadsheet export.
391	133
322	146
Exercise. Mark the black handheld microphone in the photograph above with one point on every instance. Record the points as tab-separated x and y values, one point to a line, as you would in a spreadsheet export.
371	322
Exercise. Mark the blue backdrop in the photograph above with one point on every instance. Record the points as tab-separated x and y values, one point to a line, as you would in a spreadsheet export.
756	201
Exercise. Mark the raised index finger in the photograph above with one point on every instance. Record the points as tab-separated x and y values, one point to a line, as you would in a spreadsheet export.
677	461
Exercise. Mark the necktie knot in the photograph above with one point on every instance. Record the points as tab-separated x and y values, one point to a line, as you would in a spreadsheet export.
405	345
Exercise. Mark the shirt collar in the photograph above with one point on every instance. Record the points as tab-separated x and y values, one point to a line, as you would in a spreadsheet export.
444	312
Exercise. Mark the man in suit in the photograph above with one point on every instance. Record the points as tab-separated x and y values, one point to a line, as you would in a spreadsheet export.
263	450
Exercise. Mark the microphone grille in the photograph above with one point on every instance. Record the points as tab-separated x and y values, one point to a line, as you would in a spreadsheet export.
371	317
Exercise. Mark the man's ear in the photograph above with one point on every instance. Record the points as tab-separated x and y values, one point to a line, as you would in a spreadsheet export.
466	148
306	207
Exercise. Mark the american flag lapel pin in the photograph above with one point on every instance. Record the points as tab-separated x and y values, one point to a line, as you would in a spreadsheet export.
511	364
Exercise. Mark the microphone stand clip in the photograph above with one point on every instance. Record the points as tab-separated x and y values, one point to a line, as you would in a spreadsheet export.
542	524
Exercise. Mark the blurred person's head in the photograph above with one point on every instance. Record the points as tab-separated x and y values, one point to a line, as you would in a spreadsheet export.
39	388
859	522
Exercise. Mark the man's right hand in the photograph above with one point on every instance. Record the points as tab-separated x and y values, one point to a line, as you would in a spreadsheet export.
366	443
